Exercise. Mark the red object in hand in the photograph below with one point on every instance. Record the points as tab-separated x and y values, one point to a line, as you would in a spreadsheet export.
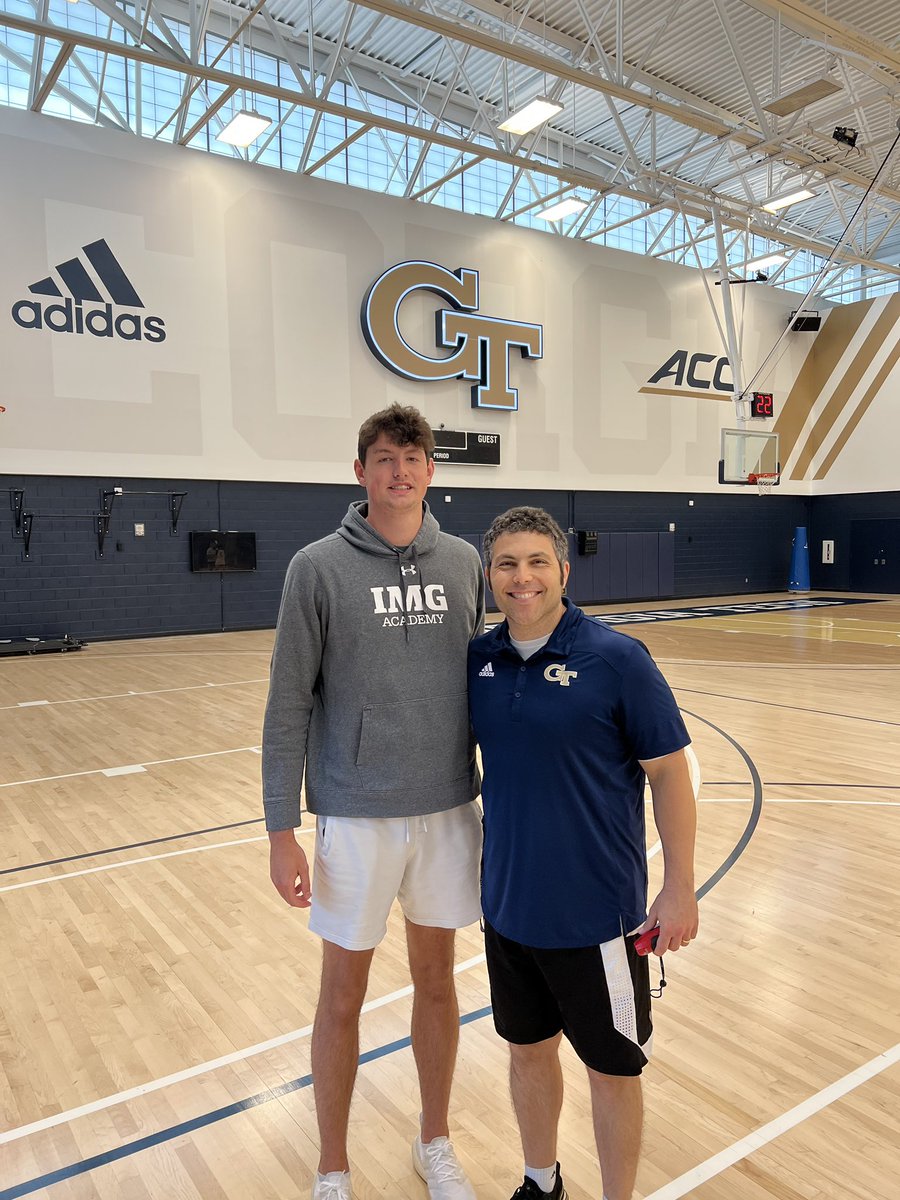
647	941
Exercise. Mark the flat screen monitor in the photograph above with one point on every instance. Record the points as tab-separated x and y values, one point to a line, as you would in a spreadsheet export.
222	550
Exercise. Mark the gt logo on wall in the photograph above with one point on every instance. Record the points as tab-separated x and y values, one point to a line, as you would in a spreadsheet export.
481	344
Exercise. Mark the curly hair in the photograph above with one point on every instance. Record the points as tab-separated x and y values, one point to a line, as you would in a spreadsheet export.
402	425
526	520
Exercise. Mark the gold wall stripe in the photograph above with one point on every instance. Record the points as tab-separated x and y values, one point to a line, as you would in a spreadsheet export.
860	363
829	345
871	392
710	395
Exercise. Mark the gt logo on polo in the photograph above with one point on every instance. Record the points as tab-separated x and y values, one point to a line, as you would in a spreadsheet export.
557	673
481	345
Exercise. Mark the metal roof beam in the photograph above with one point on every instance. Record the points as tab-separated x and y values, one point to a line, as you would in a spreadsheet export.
77	102
49	81
681	193
840	36
765	122
170	49
480	38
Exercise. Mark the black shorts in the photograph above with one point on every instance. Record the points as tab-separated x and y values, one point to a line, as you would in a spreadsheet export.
598	996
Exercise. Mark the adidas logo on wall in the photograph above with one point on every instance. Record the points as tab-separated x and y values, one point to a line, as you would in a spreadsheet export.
69	314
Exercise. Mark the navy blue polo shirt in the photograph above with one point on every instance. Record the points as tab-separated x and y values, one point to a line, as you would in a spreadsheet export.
561	735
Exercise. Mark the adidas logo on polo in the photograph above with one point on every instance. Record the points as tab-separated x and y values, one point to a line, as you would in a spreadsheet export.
486	672
83	286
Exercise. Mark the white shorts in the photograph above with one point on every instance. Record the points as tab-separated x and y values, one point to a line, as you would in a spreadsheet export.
431	864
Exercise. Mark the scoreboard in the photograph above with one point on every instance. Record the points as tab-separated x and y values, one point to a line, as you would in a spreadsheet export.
462	447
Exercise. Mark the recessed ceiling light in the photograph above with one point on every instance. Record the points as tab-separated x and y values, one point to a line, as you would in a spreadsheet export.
243	128
779	202
536	113
563	208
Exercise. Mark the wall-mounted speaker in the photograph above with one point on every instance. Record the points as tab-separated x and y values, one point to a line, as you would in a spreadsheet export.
805	320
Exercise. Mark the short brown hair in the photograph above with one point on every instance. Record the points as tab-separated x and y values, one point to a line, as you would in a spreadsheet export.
526	520
401	424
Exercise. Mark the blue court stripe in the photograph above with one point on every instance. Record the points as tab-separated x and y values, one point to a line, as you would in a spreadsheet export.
755	808
72	1170
172	837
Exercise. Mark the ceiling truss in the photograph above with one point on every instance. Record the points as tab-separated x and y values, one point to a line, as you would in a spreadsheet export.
664	107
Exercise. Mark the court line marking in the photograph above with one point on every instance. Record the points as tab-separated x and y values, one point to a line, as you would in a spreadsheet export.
193	687
819	783
774	666
134	862
802	800
174	837
819	712
224	1060
213	1064
208	1118
100	656
131	862
170	837
157	762
761	622
686	1183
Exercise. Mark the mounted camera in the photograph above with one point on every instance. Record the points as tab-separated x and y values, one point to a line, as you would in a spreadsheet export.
846	136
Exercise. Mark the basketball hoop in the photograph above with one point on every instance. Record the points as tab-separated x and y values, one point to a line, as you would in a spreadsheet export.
764	480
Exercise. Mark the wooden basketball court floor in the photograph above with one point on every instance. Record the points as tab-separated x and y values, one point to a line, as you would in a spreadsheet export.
156	995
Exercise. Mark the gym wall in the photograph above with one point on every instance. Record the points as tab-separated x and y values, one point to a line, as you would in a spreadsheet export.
251	400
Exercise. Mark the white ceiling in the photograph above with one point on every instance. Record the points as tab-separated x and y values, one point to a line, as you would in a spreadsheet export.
663	100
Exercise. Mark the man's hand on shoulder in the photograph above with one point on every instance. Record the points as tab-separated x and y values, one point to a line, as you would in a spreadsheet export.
675	912
289	869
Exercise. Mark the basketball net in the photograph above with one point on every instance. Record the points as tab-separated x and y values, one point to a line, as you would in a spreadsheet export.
764	482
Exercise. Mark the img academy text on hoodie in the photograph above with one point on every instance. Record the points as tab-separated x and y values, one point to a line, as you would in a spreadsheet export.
368	682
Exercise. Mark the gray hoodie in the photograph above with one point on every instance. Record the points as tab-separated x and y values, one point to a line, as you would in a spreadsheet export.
368	680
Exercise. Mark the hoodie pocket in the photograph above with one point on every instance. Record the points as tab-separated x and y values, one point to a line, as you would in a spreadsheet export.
414	743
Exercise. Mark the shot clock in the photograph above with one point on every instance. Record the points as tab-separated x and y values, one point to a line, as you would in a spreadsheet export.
762	407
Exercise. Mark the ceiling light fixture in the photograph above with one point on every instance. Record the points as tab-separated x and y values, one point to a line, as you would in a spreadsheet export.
778	202
243	128
563	208
766	260
801	97
536	113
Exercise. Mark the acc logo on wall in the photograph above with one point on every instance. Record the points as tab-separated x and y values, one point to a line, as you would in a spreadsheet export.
103	317
704	375
481	344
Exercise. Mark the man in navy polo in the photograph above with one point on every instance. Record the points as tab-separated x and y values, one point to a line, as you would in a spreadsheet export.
571	717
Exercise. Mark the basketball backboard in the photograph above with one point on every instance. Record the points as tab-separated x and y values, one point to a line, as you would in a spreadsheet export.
746	454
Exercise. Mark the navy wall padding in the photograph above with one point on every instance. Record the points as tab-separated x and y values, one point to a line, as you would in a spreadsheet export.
831	520
724	544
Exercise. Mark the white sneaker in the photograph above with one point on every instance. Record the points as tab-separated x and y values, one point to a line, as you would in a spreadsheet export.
438	1165
333	1186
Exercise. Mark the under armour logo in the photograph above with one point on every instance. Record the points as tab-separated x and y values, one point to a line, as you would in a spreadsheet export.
486	672
557	673
407	570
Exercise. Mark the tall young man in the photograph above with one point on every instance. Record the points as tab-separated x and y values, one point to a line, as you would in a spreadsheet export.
368	695
570	717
